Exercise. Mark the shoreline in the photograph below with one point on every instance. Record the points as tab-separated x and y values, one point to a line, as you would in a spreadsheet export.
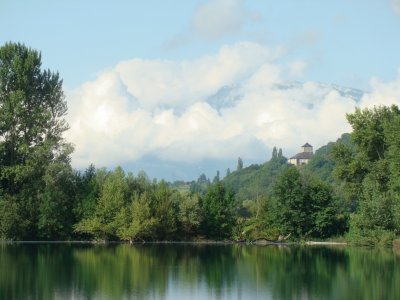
201	242
311	243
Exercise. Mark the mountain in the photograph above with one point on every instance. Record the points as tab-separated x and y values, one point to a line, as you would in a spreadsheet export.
226	96
230	95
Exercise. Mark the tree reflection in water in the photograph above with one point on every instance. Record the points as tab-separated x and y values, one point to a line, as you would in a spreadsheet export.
178	271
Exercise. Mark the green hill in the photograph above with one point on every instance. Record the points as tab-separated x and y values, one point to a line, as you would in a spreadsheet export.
256	180
322	163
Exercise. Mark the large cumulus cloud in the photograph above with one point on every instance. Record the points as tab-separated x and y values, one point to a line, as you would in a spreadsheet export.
235	102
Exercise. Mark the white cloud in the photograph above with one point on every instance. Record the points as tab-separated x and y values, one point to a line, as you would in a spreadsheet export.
396	6
217	18
156	82
213	20
297	68
383	93
162	108
158	107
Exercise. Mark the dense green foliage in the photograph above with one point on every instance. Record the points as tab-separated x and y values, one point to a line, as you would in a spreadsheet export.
352	184
305	206
33	155
370	172
255	180
217	207
323	162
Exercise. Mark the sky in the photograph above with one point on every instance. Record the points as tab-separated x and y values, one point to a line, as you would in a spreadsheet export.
178	88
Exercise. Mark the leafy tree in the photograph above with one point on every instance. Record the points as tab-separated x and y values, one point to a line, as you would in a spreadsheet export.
392	136
369	171
165	208
259	221
291	208
256	180
106	219
322	163
10	219
373	222
327	213
201	185
218	211
369	126
189	215
305	206
88	191
202	179
138	222
32	111
57	202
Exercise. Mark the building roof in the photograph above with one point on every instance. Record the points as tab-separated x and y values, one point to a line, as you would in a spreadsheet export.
306	145
302	155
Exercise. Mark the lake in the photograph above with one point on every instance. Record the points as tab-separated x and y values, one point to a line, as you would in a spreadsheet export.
189	271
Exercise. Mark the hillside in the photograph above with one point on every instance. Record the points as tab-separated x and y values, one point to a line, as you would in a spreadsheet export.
322	163
257	180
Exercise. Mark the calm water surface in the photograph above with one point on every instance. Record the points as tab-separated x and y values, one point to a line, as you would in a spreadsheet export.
186	271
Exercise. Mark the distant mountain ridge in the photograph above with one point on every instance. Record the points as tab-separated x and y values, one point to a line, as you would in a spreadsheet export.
230	95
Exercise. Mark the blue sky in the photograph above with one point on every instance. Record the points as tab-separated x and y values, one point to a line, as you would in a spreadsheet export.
346	41
139	75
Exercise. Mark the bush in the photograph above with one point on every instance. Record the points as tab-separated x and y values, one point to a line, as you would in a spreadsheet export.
371	238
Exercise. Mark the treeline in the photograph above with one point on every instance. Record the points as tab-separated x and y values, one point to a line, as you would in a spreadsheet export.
114	205
350	188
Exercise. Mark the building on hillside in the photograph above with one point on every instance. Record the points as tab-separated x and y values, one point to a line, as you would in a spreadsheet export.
303	157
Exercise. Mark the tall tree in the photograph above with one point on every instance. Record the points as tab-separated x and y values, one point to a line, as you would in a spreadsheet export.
189	215
216	178
56	203
305	206
274	153
291	208
138	223
165	210
88	190
218	211
239	164
32	111
369	171
107	218
280	155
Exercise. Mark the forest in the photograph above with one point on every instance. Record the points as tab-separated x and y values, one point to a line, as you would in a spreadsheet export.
350	189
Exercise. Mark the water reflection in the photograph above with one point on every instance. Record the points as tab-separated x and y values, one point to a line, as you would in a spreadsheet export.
163	271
